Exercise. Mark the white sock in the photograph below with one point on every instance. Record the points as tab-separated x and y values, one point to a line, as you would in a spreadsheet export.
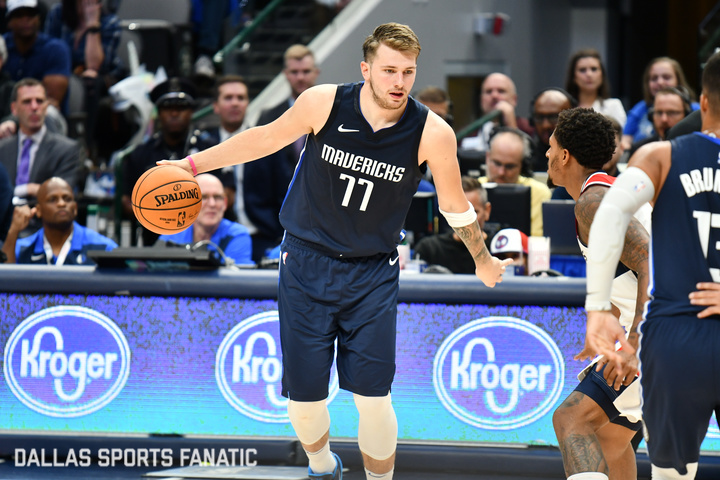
588	476
321	461
379	476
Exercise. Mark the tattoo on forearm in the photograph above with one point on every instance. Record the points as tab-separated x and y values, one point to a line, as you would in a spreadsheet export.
473	240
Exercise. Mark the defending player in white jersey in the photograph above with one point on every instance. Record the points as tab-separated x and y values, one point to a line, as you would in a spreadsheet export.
596	424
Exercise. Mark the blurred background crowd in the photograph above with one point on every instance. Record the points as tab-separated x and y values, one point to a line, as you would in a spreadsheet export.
94	92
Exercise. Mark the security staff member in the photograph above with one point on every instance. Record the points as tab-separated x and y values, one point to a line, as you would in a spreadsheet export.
175	101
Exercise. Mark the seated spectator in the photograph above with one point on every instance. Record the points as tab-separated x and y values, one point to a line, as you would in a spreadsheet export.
61	240
544	110
438	101
507	161
670	105
498	92
221	234
92	34
447	249
36	154
661	72
35	54
511	243
587	81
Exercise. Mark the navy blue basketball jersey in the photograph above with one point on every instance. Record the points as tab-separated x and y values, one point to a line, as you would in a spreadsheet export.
686	226
352	188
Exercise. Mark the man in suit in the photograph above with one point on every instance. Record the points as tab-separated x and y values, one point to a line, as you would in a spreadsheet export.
34	154
230	104
265	183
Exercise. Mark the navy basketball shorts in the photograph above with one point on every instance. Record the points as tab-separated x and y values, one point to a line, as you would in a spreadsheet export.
596	387
323	298
680	379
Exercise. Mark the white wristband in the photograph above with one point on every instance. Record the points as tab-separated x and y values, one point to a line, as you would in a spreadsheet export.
457	220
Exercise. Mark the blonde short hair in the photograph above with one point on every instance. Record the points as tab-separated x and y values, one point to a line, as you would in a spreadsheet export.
394	35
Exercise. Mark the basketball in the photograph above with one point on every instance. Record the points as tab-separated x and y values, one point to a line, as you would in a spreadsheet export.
166	199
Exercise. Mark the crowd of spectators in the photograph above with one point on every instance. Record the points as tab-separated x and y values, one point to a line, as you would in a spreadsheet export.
45	51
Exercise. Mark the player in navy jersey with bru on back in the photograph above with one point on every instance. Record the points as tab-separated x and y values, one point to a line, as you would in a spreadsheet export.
343	217
679	372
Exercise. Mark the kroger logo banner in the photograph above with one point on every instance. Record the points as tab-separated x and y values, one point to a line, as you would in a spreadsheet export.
248	369
66	361
512	365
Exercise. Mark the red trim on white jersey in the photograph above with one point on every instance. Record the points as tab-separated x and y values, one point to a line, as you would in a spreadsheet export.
597	178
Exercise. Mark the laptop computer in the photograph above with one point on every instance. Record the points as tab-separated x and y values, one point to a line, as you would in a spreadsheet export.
559	225
156	259
510	205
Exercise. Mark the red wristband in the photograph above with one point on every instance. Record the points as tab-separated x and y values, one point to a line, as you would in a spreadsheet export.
192	165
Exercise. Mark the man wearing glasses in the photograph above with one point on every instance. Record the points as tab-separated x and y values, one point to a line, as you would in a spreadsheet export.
670	105
211	230
507	161
544	110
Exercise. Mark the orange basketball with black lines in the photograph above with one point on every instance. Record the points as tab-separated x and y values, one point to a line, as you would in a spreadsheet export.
166	199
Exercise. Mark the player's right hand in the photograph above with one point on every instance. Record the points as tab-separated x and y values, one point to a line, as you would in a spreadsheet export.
617	377
491	272
184	164
603	330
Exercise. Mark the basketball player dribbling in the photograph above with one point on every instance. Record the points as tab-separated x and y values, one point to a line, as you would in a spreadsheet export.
679	372
596	424
343	217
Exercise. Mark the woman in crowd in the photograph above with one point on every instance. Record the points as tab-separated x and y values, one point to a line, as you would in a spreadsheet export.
661	72
587	81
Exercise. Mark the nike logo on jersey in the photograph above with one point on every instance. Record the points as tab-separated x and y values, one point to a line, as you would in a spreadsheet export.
35	258
346	130
393	262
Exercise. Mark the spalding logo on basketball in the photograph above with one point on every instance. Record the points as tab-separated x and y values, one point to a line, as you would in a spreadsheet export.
166	199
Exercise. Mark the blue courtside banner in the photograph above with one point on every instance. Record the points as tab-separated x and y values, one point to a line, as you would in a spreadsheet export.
206	366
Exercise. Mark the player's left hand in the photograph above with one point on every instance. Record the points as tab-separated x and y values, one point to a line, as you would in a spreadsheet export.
617	377
707	294
491	271
603	330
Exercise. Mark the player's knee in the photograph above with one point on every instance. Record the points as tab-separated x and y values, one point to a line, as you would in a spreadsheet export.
579	412
377	431
565	417
311	420
559	420
672	474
